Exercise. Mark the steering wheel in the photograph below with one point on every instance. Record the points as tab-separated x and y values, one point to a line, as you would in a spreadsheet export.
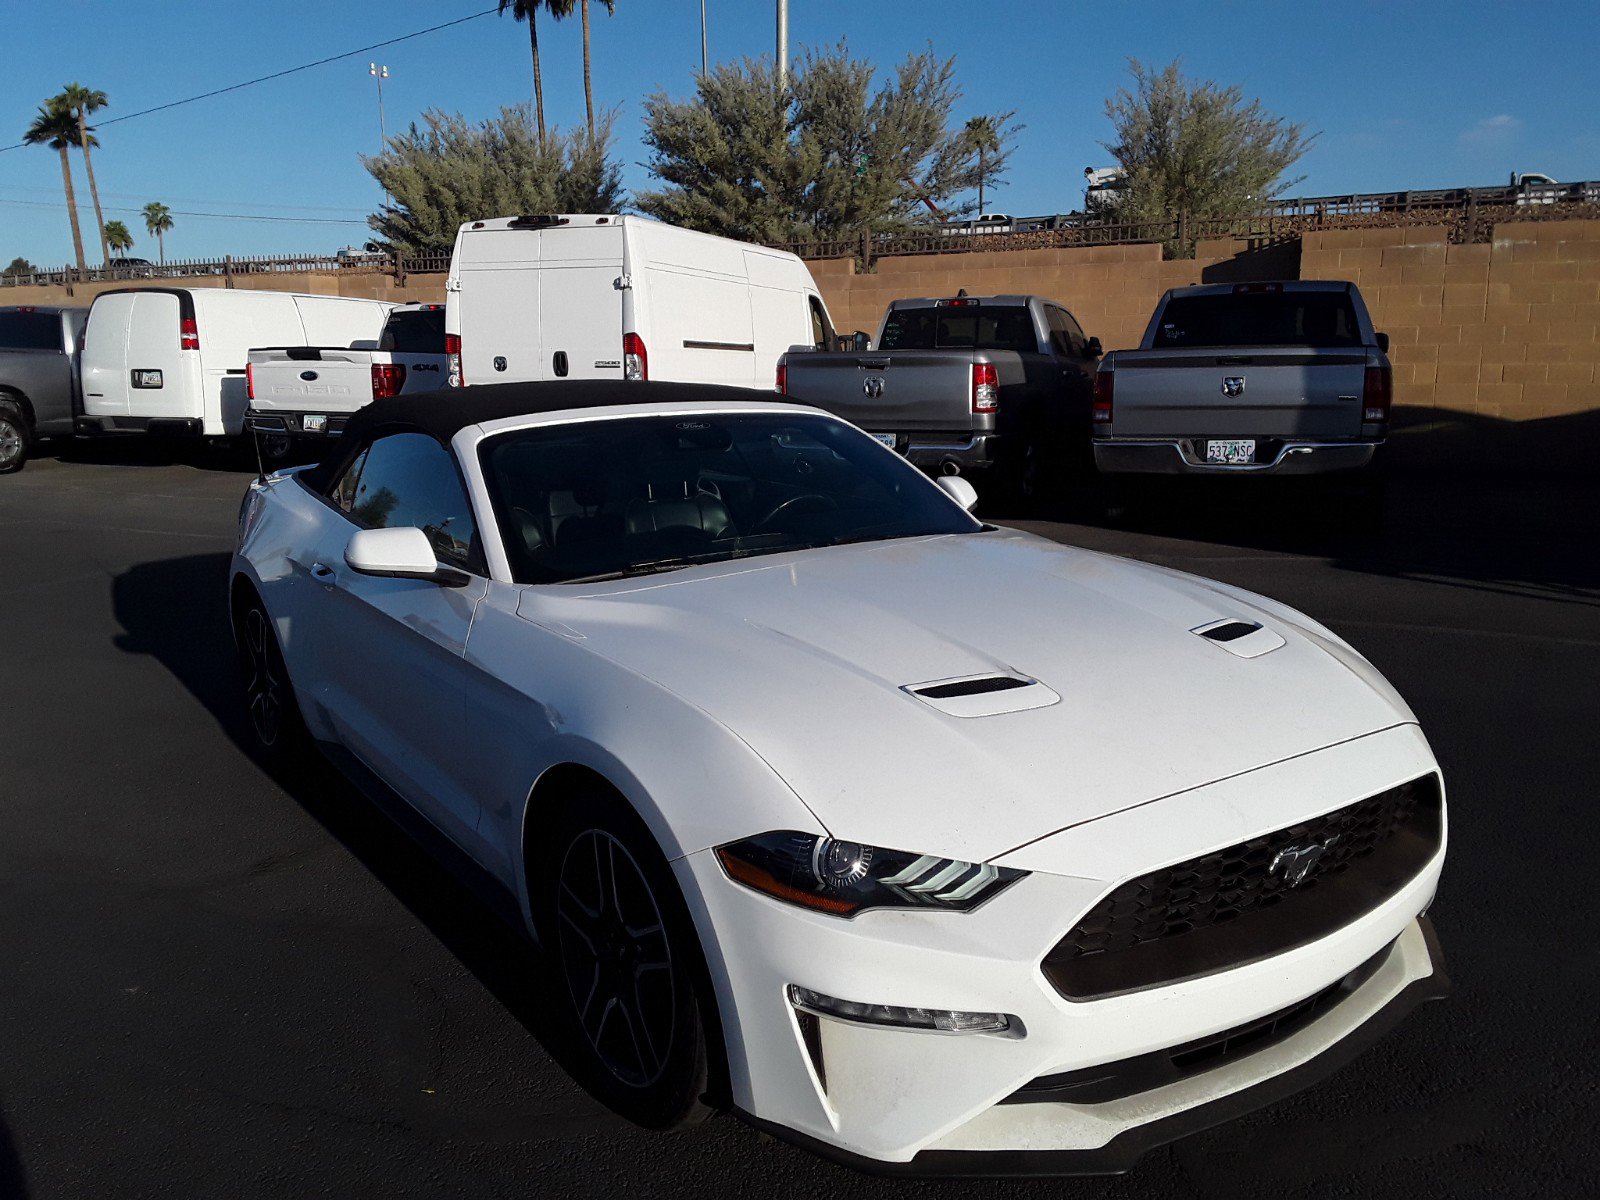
806	502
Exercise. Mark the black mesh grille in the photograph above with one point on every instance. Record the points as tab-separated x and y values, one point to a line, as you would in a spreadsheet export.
1253	899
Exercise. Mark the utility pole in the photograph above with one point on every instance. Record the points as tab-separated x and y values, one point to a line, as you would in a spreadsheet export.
380	74
704	65
783	42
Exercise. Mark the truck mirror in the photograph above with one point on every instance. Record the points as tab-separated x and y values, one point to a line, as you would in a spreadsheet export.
857	342
1383	343
1092	348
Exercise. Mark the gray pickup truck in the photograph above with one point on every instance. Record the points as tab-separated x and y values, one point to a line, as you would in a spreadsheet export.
961	384
39	348
1247	379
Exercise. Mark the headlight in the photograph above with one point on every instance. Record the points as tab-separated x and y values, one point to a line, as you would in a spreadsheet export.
844	878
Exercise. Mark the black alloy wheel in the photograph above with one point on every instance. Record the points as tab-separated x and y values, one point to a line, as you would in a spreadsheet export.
274	717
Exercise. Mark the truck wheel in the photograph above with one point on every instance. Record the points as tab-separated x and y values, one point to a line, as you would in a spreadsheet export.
15	437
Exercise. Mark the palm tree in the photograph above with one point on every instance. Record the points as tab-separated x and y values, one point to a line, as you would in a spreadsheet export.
527	10
84	101
983	138
117	236
56	127
588	83
157	220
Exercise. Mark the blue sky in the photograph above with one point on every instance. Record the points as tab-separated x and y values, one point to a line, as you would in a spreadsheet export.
1405	95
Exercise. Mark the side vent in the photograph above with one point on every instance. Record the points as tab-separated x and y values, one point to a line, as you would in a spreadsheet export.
983	695
1247	639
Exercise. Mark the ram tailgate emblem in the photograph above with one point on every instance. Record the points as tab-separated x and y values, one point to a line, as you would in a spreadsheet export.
1233	385
872	385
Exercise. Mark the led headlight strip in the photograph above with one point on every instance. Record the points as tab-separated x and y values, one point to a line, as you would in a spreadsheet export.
844	878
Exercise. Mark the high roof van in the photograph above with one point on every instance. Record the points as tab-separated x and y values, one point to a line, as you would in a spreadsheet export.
172	360
623	297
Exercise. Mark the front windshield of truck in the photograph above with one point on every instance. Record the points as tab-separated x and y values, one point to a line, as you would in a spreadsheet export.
634	496
972	326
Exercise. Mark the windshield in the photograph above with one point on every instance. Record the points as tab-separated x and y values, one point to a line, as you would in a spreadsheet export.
1321	319
604	499
967	326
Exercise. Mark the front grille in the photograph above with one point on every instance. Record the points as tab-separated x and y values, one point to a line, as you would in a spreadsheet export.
1252	900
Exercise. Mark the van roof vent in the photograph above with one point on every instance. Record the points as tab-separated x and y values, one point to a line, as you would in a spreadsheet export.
536	221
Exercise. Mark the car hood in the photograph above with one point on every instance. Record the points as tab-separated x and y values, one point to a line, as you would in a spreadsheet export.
807	658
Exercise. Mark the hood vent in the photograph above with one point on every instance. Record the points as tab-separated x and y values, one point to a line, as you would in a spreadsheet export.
982	695
1247	639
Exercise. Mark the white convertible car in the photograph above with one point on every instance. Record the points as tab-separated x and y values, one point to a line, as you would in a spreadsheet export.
932	846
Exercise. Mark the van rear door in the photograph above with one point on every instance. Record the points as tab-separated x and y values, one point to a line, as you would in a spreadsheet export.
159	373
580	305
105	356
498	305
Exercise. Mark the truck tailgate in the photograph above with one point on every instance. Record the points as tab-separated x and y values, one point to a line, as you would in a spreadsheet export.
1265	391
335	381
905	391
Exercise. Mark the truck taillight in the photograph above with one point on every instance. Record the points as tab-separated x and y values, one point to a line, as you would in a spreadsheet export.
782	384
1377	394
188	334
250	381
985	388
387	380
1105	382
452	354
635	361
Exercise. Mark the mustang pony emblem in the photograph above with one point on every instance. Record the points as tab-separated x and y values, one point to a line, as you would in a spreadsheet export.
1293	863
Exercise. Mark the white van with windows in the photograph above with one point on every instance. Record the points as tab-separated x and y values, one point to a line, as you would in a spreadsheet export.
623	297
173	360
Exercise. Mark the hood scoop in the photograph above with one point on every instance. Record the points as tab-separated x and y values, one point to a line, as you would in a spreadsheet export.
1247	639
982	695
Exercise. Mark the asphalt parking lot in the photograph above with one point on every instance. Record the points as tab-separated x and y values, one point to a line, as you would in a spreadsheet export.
218	983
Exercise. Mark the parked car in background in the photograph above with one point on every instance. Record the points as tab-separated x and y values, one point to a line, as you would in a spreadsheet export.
1247	379
39	347
131	268
965	384
929	845
172	360
309	392
623	297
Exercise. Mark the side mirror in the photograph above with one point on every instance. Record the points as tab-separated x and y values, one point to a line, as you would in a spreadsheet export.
855	343
402	553
1092	348
959	490
1383	343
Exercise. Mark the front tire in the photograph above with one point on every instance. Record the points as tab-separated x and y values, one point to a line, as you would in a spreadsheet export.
626	963
16	439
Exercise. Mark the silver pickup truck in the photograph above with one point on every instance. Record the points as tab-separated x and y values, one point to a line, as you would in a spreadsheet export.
963	384
1252	378
39	348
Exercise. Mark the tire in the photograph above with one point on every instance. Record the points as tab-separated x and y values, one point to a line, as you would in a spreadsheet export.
625	962
273	723
16	438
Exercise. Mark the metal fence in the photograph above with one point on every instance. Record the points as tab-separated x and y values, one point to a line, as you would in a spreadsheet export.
1467	214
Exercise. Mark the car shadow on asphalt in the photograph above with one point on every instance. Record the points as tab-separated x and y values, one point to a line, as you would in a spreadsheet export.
172	610
13	1176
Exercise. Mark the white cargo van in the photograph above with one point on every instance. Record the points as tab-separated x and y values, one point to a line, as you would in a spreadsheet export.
623	297
172	360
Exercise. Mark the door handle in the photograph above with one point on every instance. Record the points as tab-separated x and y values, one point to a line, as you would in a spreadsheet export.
558	364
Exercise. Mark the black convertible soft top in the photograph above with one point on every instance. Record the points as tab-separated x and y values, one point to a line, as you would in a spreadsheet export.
444	413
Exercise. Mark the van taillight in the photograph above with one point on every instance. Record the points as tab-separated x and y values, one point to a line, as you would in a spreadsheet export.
188	334
250	381
452	352
1377	394
387	380
782	384
1105	382
635	362
985	388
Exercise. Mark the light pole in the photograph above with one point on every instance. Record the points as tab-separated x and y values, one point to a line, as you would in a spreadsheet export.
783	42
703	56
380	74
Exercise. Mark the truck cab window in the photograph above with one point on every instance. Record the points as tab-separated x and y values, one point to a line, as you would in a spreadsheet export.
821	329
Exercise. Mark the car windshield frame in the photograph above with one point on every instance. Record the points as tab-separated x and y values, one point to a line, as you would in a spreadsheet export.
620	497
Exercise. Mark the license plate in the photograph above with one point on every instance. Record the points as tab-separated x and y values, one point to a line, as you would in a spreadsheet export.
888	439
1241	450
314	424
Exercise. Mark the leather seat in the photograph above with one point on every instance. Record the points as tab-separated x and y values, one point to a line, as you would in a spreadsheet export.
679	504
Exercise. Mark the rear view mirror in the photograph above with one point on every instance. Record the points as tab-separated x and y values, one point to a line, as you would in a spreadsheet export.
402	553
959	490
1092	348
1383	343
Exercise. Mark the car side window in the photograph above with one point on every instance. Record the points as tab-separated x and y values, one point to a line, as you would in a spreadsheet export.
409	479
1074	331
821	331
1060	338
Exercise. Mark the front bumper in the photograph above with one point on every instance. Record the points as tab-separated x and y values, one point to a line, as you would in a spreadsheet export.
905	1100
1182	456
